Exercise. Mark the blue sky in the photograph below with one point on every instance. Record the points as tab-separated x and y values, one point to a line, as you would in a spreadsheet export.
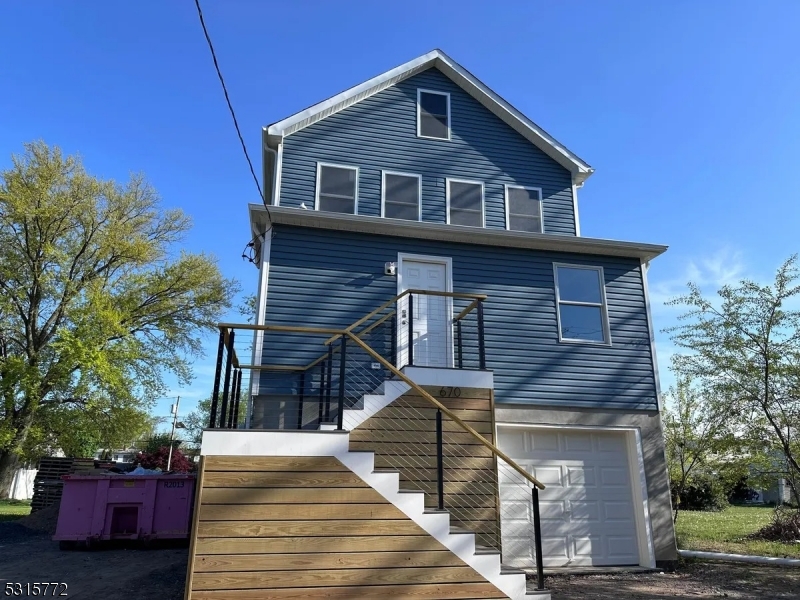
689	111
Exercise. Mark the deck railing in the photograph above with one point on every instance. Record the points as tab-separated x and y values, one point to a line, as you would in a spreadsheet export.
324	371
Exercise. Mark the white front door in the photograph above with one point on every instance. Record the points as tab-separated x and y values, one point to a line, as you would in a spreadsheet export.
587	511
431	336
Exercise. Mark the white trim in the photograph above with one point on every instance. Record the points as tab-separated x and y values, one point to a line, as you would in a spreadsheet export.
652	333
278	176
461	77
261	310
635	456
509	186
463	378
336	166
447	183
421	91
575	209
644	531
603	306
401	174
448	265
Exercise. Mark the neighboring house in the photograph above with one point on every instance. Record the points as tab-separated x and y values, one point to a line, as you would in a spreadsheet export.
423	178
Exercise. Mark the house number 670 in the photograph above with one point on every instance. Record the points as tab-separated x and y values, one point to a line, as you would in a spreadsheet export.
450	392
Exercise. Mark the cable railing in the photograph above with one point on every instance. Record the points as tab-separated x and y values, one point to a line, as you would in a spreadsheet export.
306	377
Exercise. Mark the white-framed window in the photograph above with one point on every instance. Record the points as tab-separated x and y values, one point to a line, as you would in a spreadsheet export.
524	209
400	195
581	301
465	203
433	114
337	188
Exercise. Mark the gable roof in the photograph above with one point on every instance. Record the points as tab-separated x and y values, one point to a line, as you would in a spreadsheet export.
460	76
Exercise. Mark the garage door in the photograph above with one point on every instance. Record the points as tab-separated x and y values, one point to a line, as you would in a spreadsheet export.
587	509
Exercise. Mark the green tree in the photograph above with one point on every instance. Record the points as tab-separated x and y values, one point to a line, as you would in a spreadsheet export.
198	419
700	441
96	300
745	349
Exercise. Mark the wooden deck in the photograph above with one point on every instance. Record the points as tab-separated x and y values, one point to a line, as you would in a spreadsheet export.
281	527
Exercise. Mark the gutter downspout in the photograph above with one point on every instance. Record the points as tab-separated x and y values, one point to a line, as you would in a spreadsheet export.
745	558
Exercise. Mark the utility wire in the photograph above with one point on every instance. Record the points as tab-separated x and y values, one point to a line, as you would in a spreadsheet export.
230	107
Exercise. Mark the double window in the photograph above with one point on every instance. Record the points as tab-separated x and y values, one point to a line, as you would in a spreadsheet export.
337	188
433	114
465	203
400	196
524	209
581	300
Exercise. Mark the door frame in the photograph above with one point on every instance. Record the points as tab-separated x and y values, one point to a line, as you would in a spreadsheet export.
633	446
447	261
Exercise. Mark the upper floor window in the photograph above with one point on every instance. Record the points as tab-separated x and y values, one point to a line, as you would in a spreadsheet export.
337	188
400	196
433	114
581	299
465	203
524	209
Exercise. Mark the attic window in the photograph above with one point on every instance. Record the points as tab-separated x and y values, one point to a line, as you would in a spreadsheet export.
433	114
337	188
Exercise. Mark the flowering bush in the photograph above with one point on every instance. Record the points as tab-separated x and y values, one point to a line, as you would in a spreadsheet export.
158	460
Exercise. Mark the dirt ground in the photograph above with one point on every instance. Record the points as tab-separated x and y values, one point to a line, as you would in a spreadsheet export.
692	580
28	556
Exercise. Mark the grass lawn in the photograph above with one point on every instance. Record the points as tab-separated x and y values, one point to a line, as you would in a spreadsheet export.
725	531
14	509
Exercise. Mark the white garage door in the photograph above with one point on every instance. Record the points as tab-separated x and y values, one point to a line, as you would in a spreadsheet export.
587	509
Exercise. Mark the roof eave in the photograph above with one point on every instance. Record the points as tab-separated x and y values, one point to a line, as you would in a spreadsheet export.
261	220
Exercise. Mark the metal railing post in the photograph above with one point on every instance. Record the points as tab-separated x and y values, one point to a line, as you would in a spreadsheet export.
321	389
342	366
228	361
217	374
234	386
439	459
537	537
459	339
393	353
238	398
481	340
300	400
330	384
411	330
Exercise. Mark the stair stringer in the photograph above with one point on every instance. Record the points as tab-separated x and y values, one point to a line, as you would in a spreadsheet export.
387	484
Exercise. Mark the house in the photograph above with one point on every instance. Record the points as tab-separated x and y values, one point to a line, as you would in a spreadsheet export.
431	320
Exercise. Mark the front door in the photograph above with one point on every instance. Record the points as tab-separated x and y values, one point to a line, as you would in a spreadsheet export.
431	335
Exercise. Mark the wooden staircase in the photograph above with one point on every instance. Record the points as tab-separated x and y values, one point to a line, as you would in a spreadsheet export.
282	514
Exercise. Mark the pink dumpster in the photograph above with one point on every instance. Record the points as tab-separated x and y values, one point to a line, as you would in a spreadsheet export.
119	507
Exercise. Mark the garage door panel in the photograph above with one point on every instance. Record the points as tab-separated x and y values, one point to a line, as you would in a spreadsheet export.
585	511
581	477
587	508
549	476
578	441
551	510
617	511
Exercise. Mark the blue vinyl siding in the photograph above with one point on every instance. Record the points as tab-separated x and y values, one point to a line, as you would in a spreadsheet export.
327	278
380	133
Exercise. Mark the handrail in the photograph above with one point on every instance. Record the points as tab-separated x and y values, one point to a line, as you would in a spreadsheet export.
417	388
474	297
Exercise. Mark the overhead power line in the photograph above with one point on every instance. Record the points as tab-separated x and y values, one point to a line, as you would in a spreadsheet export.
230	107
